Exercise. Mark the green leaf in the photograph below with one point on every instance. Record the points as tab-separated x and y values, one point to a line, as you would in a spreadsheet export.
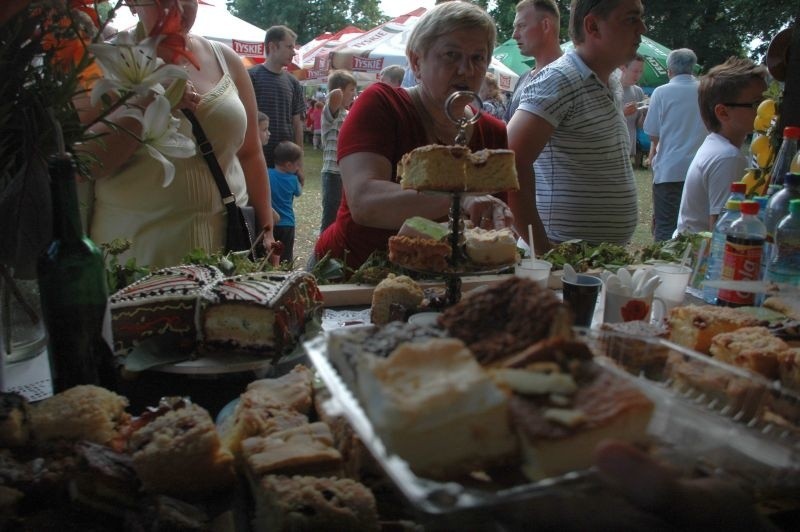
174	92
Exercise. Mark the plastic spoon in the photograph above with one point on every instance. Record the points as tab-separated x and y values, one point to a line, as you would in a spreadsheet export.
625	277
637	278
569	273
650	286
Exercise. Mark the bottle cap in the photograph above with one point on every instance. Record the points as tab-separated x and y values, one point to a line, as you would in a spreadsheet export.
794	206
733	205
762	202
791	179
749	207
792	132
738	187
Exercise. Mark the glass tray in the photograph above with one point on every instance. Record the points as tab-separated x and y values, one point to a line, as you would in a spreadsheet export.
693	433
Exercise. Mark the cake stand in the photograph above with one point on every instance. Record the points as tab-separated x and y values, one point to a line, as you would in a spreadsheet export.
458	261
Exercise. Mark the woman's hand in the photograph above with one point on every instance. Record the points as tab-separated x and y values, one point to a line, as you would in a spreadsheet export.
273	248
487	212
190	99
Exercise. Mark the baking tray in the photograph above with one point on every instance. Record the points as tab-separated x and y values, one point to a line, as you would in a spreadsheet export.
692	434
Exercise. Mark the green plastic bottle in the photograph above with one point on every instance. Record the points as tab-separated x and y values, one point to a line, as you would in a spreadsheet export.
73	290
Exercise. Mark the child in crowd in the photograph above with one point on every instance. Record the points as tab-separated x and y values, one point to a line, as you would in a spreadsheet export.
285	187
315	117
729	96
341	93
263	128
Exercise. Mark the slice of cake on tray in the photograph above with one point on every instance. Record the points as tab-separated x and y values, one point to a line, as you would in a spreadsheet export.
262	313
435	407
162	304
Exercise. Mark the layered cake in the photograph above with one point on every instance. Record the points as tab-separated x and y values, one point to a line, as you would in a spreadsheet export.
304	450
456	168
162	304
258	413
259	312
753	348
564	405
491	247
435	407
417	226
293	388
394	290
179	453
419	253
694	326
506	317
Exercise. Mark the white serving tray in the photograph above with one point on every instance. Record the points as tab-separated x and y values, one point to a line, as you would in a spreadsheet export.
687	431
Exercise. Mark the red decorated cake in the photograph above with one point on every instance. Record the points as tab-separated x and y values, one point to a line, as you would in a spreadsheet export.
162	304
258	313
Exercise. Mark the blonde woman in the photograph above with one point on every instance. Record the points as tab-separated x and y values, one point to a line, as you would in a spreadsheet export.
448	50
167	222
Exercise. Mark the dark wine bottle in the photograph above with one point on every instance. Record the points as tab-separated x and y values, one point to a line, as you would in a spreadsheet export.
73	289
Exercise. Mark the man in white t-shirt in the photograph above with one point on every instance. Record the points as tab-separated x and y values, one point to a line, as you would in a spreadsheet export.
569	129
676	131
729	96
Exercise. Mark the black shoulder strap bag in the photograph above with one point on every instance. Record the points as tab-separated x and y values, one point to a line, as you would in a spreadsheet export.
240	234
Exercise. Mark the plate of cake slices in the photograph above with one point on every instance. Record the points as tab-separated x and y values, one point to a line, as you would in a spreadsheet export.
504	400
191	319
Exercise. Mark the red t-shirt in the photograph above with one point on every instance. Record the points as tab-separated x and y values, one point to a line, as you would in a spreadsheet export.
384	120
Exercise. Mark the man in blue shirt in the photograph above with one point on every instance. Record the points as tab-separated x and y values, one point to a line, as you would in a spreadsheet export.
676	132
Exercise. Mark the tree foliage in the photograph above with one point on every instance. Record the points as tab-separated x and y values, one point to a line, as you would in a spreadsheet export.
309	18
714	29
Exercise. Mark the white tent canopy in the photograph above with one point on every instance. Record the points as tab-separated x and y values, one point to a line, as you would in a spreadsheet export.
213	22
367	54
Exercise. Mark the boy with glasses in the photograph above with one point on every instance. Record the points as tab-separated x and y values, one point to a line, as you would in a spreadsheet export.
729	96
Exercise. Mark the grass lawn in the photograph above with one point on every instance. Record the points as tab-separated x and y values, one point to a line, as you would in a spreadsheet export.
308	207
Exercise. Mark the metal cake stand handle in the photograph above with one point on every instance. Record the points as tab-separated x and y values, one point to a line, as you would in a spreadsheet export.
463	122
453	281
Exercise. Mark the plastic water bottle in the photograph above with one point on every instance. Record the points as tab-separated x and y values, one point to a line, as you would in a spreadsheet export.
785	264
715	257
744	246
787	152
738	193
778	206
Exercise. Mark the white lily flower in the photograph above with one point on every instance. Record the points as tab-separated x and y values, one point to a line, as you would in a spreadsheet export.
160	135
129	66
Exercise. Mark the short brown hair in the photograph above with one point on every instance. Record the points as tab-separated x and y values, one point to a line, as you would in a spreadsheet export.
723	83
339	79
578	11
277	34
287	152
548	6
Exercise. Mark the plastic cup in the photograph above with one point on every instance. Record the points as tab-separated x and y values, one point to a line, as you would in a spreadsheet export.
674	279
581	295
620	308
535	270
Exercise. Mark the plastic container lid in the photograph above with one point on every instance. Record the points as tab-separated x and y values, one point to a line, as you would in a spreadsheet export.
791	179
794	206
733	205
739	187
749	207
792	132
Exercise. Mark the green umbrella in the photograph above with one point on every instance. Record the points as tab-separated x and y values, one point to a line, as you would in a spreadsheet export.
508	53
655	62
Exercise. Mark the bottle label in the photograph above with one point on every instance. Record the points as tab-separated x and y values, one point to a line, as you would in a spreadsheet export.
742	262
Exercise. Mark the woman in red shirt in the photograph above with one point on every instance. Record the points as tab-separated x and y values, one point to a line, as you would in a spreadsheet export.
449	50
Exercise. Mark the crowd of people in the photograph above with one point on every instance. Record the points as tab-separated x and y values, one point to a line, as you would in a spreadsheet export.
571	121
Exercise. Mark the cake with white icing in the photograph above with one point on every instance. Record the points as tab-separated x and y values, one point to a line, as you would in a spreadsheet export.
261	312
162	304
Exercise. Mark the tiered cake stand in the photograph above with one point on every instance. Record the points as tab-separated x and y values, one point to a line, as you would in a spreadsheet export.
459	263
